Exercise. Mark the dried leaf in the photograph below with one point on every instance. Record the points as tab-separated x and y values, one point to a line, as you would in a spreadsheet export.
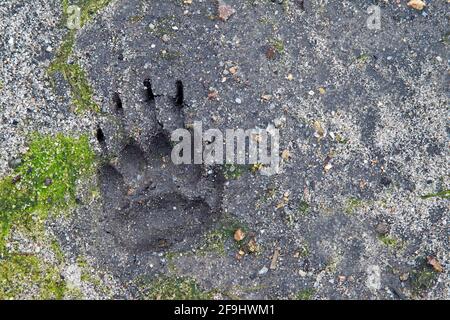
225	11
404	276
417	4
213	95
252	246
328	167
284	201
280	205
239	235
271	52
233	70
285	155
274	262
435	264
320	131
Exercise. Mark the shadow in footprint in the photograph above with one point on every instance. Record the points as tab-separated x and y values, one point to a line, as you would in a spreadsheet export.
150	204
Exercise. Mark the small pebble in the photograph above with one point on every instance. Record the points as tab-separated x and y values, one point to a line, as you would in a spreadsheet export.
385	181
48	182
382	228
14	163
165	38
263	271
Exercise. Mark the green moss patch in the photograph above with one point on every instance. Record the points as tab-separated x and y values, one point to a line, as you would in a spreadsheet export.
305	294
214	241
72	72
278	45
75	76
176	288
303	207
352	205
423	278
363	58
163	26
233	171
217	239
44	180
25	276
391	242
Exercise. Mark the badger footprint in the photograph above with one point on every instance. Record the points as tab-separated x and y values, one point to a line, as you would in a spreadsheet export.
149	203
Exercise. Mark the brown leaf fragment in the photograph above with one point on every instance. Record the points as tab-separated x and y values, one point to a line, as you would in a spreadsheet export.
327	167
225	11
239	235
404	276
271	53
213	95
233	70
284	201
319	130
417	4
252	246
285	155
432	261
275	256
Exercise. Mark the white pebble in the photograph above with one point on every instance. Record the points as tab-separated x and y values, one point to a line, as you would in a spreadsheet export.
264	270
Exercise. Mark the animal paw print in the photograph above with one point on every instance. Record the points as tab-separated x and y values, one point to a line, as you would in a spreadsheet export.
149	203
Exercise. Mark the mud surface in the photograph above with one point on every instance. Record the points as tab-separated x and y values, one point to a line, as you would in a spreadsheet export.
363	115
